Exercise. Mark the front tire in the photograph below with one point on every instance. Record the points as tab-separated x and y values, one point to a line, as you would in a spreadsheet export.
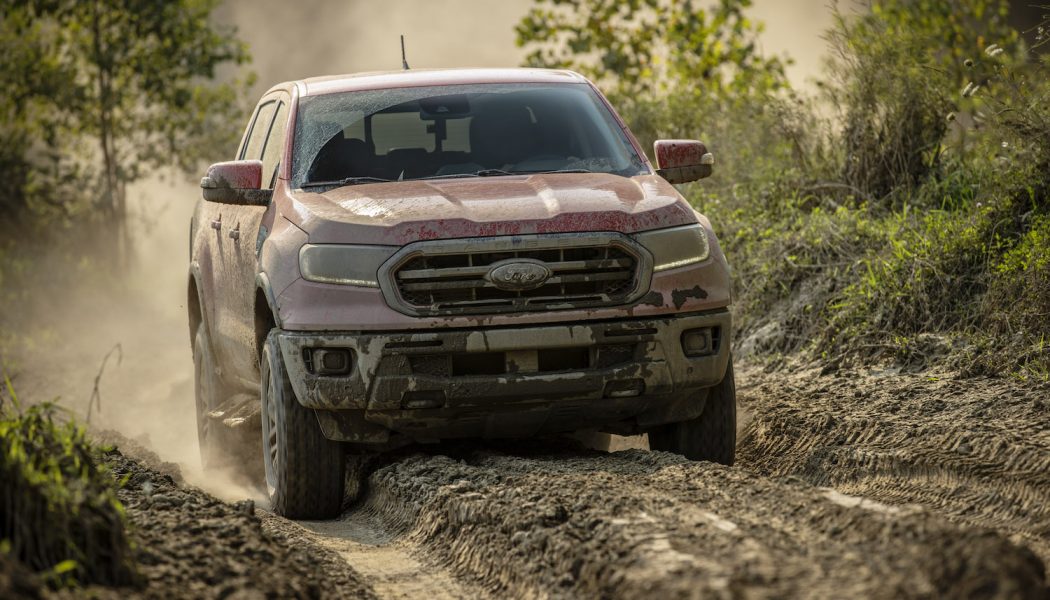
712	435
304	470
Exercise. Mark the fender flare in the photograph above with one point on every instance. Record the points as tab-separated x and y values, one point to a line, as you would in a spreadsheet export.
195	275
262	282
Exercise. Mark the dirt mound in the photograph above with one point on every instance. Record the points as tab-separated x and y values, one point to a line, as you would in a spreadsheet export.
974	450
191	545
635	524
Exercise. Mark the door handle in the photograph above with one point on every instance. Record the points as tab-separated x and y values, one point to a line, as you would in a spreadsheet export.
217	224
235	233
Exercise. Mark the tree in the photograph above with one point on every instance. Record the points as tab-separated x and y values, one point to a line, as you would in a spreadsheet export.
35	83
646	46
893	73
138	78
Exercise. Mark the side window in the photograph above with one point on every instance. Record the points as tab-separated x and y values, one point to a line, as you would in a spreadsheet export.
271	155
260	128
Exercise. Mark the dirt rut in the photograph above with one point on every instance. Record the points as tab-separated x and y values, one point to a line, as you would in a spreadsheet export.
638	524
976	451
394	568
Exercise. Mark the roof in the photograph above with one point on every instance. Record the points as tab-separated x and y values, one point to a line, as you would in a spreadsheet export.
378	80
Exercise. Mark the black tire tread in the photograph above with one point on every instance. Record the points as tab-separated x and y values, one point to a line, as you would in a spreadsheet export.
310	480
712	435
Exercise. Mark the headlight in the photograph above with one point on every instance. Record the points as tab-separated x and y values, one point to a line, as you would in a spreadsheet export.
676	246
343	264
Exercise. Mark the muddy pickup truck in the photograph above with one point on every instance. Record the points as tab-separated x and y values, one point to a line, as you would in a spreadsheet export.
417	256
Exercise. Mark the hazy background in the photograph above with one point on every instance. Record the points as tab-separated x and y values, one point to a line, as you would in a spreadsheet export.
292	40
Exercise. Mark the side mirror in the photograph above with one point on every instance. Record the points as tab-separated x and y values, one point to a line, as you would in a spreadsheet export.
236	182
682	161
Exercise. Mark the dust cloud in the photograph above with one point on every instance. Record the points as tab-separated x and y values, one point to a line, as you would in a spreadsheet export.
137	318
148	394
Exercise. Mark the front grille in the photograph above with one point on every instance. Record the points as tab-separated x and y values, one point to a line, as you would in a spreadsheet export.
435	279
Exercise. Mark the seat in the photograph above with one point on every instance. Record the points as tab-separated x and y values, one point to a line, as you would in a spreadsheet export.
341	157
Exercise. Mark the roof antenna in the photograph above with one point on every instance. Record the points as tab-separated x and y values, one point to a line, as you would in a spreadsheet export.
404	62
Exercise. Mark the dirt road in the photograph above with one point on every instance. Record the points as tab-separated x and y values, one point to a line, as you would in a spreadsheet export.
863	484
975	451
866	484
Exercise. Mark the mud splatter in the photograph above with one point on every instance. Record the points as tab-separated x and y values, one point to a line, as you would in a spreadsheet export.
680	297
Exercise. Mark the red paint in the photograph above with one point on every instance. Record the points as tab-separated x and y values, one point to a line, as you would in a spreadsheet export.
399	213
237	174
678	153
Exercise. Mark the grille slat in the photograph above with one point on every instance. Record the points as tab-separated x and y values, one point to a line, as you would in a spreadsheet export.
480	271
437	284
439	278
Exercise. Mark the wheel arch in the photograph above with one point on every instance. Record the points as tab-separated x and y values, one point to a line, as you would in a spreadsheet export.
267	315
194	303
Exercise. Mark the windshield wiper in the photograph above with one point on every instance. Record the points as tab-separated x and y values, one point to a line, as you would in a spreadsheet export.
345	181
557	171
496	172
449	176
481	173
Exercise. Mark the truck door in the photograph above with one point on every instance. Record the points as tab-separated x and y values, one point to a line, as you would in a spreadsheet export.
236	230
245	244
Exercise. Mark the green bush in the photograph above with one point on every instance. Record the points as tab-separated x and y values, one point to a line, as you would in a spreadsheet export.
912	225
59	512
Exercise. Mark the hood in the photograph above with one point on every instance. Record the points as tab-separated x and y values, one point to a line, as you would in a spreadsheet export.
402	212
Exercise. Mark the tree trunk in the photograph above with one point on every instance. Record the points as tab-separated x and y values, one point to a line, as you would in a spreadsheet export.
112	200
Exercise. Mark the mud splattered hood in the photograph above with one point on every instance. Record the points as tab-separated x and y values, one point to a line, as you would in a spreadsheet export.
398	213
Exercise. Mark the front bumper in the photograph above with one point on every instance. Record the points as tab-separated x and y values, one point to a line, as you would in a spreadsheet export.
509	381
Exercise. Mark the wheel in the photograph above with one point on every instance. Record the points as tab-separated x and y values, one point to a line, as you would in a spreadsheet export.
209	392
712	435
304	470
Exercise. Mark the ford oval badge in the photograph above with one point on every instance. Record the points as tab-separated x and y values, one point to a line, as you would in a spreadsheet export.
518	274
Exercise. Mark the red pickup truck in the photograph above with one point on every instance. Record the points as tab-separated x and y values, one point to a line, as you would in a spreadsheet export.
415	256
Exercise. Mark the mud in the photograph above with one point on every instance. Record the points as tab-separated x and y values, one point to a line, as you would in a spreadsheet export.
395	568
974	450
636	524
860	484
192	545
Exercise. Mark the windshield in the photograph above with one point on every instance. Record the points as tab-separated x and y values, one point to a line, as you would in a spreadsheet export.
457	131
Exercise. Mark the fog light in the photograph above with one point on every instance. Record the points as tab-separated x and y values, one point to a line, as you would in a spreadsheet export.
698	342
627	388
423	399
329	361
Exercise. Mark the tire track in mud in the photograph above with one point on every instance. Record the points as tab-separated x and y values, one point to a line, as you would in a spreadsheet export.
976	451
637	524
393	568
